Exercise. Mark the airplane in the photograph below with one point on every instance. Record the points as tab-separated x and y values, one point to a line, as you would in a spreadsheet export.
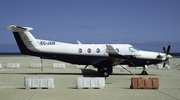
101	56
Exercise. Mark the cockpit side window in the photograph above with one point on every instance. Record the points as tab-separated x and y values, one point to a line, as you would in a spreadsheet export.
133	49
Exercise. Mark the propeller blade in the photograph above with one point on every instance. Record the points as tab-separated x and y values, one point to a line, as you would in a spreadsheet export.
85	66
168	49
164	49
164	64
166	52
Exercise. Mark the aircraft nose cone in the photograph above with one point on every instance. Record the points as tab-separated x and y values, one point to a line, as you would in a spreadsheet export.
169	56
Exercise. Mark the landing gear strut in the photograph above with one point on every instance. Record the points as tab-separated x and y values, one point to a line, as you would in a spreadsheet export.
144	71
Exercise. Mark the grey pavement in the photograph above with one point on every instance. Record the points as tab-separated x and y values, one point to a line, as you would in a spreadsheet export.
117	86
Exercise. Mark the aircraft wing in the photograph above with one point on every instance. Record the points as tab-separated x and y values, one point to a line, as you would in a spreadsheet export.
112	52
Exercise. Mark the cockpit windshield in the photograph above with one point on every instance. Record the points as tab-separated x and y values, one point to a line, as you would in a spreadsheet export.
133	49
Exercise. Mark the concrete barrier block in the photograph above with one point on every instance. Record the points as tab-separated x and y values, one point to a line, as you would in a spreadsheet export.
148	83
43	82
155	82
86	82
94	82
80	83
140	83
134	83
27	82
50	81
13	65
59	65
144	83
90	82
35	82
101	83
160	66
39	82
35	65
118	66
81	66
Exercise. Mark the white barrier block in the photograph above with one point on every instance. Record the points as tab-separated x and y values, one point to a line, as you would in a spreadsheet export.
59	65
43	82
35	82
118	66
13	65
139	67
27	82
0	65
160	66
35	65
87	82
101	83
81	66
94	82
51	82
80	83
39	82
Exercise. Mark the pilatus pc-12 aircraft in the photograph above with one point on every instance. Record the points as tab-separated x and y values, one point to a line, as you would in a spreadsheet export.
101	56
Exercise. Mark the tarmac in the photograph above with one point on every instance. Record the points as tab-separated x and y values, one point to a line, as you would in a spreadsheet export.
117	85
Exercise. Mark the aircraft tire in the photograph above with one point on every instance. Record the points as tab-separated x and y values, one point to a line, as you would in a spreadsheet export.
144	73
105	73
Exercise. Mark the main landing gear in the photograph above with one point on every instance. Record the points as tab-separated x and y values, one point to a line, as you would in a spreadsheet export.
105	71
144	71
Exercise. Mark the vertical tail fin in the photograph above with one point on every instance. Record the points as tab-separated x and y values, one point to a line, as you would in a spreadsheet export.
24	38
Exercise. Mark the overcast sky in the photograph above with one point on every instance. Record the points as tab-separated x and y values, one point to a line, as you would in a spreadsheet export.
94	21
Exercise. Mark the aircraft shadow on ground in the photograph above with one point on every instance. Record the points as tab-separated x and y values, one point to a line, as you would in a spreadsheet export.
93	73
85	73
46	73
90	73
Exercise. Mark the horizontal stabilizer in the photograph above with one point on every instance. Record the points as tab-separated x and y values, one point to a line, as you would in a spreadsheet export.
19	29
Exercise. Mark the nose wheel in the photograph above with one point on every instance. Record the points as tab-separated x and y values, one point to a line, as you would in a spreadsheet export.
144	71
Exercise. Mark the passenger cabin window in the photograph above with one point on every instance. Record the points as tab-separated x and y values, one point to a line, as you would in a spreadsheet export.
133	49
98	50
89	50
117	50
80	50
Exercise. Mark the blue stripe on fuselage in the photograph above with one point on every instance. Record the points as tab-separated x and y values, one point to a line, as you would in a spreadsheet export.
71	58
141	62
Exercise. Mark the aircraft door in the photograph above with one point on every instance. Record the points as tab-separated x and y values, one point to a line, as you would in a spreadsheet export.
105	50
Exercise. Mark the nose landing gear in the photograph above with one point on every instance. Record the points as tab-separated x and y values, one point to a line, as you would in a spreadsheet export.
144	71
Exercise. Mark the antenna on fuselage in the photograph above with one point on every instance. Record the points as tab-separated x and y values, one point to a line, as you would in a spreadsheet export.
78	42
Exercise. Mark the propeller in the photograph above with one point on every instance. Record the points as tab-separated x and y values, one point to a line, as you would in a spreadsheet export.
167	53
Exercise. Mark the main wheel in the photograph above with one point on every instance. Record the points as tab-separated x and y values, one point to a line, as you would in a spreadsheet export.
105	73
144	73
